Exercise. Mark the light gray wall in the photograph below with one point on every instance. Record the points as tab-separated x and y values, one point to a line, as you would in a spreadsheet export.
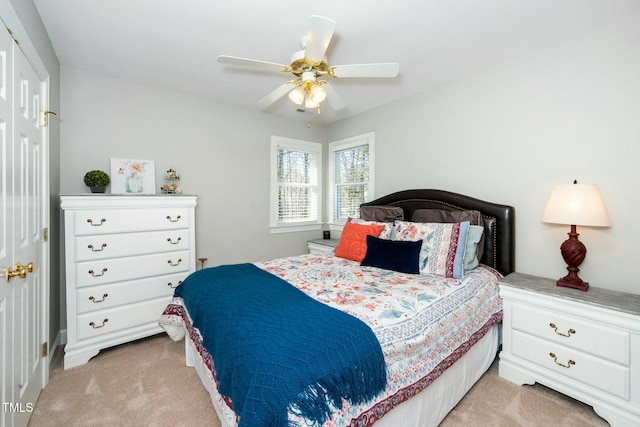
221	152
510	133
507	134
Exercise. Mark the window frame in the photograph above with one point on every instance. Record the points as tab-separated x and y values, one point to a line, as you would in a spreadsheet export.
344	144
278	142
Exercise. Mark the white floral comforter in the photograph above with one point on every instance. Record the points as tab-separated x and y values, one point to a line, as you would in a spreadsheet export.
424	323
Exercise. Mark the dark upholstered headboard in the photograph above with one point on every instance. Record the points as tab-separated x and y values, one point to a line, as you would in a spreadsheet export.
499	220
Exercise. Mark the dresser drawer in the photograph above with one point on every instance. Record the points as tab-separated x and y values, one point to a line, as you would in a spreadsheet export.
118	245
573	332
107	296
102	322
592	371
104	221
91	273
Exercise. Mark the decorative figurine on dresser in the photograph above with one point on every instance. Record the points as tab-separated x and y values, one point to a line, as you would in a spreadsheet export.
124	255
583	344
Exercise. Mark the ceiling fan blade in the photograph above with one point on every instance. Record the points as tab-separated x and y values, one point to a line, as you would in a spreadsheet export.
335	101
275	95
390	69
318	38
254	63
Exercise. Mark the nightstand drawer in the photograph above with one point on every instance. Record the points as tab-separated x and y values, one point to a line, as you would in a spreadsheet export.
592	371
573	332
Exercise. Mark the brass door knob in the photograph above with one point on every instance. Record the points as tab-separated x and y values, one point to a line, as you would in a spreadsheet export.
20	271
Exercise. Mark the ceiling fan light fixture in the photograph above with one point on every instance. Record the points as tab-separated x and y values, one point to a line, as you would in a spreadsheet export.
310	103
317	94
297	95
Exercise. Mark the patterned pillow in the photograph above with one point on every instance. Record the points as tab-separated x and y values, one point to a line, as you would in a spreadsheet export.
443	245
386	230
353	240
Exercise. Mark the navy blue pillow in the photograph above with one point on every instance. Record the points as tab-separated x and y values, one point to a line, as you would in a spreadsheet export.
401	256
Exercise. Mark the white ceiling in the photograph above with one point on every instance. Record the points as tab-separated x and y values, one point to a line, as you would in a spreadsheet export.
174	43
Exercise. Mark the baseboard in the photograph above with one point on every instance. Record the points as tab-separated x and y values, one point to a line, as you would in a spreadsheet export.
61	339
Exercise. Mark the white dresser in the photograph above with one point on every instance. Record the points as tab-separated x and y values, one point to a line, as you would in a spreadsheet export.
583	344
124	255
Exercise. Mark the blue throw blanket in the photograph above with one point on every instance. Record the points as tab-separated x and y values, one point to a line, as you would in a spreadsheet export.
276	349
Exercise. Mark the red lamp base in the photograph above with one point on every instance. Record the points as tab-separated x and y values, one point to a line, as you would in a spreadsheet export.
573	251
583	286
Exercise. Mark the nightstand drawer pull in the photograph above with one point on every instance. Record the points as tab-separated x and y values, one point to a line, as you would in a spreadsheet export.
176	264
96	301
555	329
170	284
555	359
102	221
93	325
172	242
93	249
173	220
93	273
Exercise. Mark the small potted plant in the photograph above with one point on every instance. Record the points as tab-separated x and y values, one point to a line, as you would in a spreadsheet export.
97	180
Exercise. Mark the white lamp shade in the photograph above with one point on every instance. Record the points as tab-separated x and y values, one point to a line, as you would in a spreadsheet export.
317	94
309	103
576	204
297	95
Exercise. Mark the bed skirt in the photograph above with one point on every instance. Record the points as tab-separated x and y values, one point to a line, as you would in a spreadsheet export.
427	409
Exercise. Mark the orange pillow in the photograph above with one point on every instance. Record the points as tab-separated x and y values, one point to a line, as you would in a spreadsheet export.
353	241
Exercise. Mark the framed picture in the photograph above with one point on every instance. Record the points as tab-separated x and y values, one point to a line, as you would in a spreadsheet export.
129	176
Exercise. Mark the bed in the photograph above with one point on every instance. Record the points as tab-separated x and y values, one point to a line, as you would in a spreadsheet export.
436	329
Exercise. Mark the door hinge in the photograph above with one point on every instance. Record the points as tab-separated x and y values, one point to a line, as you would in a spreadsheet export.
45	234
44	117
45	349
13	37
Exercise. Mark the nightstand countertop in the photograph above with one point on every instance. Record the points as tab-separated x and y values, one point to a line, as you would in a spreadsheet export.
325	242
606	298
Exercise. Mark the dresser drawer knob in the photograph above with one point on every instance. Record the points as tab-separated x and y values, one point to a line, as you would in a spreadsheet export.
175	264
93	325
555	329
93	248
102	221
555	359
172	242
94	274
170	284
173	220
96	301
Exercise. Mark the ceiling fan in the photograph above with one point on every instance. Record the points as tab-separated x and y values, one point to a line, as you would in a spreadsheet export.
309	65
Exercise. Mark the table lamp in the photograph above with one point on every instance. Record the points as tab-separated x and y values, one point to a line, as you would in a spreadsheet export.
575	204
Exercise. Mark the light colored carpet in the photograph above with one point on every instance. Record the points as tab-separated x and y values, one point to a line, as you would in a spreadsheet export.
146	383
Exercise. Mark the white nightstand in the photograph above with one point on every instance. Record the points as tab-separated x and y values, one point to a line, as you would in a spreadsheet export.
583	344
322	246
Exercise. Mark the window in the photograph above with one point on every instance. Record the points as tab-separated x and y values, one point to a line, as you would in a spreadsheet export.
296	191
351	176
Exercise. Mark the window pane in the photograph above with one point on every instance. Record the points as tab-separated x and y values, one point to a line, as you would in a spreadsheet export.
352	165
297	185
352	178
296	203
348	200
295	166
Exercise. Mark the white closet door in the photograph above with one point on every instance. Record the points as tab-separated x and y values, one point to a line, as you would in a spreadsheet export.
24	205
6	223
